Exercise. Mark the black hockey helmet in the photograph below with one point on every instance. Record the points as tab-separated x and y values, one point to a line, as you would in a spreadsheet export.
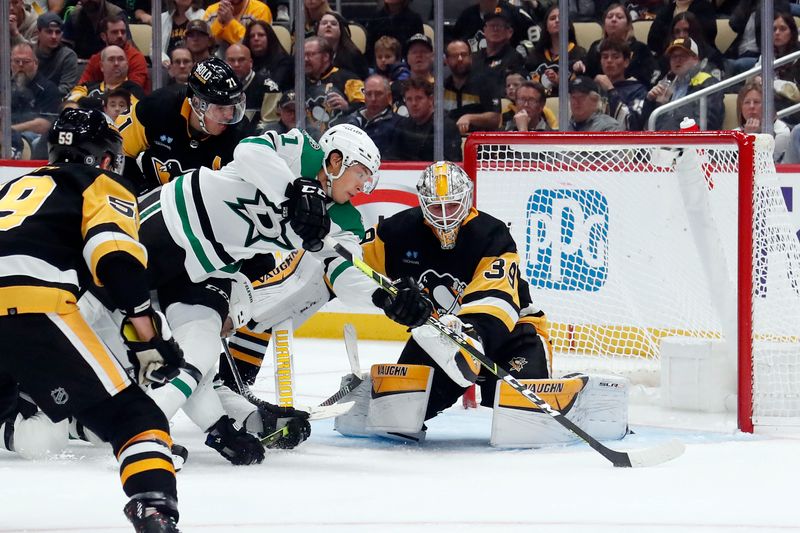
85	136
215	91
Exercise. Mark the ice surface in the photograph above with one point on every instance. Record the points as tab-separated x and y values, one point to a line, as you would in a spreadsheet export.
726	481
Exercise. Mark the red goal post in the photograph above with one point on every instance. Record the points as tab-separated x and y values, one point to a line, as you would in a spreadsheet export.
633	241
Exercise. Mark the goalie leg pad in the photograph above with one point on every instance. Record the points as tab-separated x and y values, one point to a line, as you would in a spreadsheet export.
597	404
354	422
398	398
37	436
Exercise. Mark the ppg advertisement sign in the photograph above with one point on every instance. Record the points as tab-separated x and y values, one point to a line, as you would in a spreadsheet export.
567	239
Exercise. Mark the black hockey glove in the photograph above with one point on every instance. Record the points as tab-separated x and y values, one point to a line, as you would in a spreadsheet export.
295	421
157	360
307	211
236	445
410	307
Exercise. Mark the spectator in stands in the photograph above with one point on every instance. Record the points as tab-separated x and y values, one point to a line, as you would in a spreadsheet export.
586	105
287	117
256	88
269	58
115	33
684	25
530	101
34	99
388	59
787	77
136	11
685	77
174	22
748	110
473	101
395	19
21	23
543	62
469	25
659	35
746	22
419	56
229	18
180	65
198	40
116	102
330	91
376	117
414	136
617	25
499	56
114	66
314	10
57	63
624	96
334	28
85	25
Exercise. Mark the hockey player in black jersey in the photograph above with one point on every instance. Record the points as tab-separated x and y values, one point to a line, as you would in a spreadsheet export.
180	130
69	221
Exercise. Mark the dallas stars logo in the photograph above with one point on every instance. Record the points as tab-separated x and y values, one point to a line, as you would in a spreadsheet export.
264	220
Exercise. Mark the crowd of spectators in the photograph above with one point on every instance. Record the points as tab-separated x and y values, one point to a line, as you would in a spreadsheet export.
501	65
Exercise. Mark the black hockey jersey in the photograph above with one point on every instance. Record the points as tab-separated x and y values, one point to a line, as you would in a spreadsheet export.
158	125
56	222
477	280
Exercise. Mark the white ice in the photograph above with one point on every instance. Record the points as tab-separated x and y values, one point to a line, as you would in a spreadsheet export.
726	481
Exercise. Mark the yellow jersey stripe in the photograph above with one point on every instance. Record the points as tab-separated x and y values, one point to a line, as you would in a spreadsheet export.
492	310
28	299
375	254
151	434
144	465
105	243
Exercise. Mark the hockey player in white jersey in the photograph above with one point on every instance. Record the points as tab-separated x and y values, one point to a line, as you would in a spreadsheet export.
207	228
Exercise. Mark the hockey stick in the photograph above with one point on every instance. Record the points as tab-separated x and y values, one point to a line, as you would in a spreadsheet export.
636	458
351	345
314	412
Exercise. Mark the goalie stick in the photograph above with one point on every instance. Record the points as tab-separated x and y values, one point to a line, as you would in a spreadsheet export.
634	458
314	412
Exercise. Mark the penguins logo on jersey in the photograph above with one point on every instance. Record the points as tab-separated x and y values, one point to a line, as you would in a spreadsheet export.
517	363
169	169
444	290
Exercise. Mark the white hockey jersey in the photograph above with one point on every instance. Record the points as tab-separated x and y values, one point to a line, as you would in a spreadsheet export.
221	217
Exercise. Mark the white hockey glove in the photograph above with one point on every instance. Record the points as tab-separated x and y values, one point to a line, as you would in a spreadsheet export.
157	360
458	365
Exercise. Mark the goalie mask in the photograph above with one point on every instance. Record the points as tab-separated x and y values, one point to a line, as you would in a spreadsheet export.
215	93
355	146
445	196
86	136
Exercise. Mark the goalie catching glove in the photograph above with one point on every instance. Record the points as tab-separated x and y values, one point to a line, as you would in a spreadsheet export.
307	211
456	363
157	360
409	307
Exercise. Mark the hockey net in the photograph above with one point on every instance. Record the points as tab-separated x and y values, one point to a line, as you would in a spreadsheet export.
631	239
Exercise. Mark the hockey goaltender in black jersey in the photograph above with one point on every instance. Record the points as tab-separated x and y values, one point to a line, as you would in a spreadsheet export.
470	270
178	130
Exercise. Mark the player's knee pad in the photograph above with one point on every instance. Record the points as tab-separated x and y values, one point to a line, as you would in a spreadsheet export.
196	329
398	398
36	436
597	404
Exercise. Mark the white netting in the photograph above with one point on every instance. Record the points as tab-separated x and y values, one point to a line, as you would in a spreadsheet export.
626	244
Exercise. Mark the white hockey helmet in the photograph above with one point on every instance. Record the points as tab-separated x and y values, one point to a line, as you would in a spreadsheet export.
445	196
355	146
